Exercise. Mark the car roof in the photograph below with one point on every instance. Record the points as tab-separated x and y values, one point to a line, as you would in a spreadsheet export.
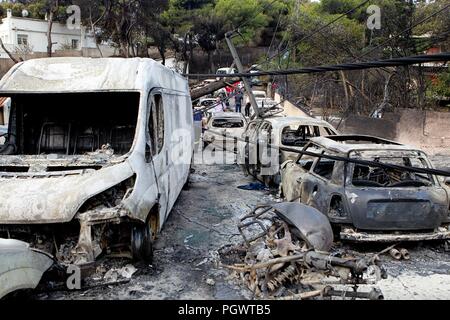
349	143
227	115
225	69
279	122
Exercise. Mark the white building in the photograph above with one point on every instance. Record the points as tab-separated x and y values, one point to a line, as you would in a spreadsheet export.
24	35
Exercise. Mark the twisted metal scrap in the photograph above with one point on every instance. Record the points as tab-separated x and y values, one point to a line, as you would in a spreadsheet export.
276	260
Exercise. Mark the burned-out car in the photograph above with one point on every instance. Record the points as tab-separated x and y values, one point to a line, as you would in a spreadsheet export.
290	132
366	201
97	152
223	128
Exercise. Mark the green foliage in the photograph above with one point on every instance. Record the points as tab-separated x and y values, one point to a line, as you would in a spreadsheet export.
190	4
343	38
36	8
15	7
343	6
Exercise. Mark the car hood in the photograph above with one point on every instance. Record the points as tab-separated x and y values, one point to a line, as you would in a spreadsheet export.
397	208
55	197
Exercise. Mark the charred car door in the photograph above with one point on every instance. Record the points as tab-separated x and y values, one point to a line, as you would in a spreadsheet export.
293	174
323	187
264	152
247	149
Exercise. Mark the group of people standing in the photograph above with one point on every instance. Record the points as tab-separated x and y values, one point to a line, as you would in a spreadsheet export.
238	100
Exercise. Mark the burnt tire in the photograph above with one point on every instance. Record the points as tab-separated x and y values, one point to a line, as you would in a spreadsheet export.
142	242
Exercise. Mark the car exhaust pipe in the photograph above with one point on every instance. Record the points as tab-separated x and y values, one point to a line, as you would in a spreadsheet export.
405	254
395	254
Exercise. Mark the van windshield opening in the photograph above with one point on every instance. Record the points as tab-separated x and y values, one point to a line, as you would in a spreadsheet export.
72	123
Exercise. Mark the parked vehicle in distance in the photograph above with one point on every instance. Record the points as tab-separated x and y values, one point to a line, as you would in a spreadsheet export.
369	203
204	103
255	81
89	163
225	71
259	94
292	132
224	127
207	102
260	97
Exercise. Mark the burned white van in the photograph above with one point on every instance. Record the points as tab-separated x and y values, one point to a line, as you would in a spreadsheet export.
96	154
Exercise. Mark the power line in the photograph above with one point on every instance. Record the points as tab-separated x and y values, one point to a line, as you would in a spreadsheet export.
376	164
403	61
274	34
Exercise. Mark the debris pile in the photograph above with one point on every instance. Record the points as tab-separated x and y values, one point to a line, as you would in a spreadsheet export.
287	254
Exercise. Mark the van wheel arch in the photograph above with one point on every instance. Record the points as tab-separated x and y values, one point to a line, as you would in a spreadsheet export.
143	234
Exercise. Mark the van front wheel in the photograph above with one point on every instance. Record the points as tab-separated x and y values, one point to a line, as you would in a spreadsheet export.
142	242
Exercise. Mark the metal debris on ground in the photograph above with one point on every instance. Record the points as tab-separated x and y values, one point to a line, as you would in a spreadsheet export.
114	274
279	259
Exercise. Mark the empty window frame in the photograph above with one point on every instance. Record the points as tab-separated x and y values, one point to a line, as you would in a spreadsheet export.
371	176
298	135
22	39
156	124
227	123
324	167
75	44
73	123
306	161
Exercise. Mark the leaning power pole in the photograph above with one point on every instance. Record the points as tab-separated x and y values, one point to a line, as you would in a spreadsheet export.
240	68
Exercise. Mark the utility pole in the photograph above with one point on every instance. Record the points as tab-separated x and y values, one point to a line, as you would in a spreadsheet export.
240	68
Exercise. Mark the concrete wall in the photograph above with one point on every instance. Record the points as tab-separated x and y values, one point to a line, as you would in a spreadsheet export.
427	130
385	128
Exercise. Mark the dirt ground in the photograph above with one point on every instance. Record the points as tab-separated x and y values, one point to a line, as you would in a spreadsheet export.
204	219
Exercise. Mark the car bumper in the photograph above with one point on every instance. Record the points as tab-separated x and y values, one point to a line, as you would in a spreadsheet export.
351	235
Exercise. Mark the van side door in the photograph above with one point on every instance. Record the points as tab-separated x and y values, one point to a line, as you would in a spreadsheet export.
179	124
157	153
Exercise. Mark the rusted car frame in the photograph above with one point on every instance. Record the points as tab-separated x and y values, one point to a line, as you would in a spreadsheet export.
366	203
292	132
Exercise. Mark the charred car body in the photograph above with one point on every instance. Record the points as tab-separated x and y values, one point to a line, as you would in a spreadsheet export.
223	128
369	203
97	152
292	132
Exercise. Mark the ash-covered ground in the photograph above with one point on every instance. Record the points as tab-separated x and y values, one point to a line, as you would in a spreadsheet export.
205	219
